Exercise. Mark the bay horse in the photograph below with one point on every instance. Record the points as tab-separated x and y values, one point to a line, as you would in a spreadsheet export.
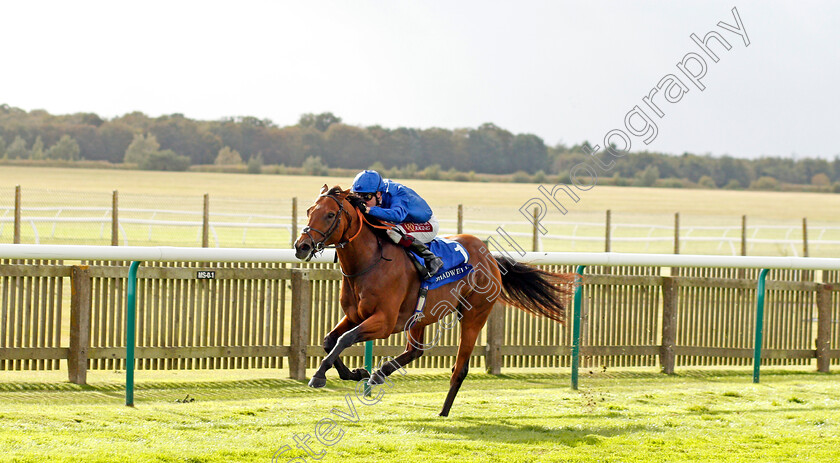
380	287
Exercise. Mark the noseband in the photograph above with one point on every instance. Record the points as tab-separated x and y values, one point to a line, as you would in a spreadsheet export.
320	246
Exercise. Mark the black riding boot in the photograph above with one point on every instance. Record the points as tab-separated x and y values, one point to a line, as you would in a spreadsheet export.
433	262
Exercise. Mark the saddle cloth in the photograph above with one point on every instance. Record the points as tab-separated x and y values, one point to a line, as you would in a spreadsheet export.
455	259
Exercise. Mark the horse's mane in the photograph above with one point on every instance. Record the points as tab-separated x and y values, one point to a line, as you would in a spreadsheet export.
357	202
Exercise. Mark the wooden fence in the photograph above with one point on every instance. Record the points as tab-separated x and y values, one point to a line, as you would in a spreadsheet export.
112	219
276	316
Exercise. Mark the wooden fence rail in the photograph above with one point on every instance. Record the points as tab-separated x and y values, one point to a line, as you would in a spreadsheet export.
276	316
800	244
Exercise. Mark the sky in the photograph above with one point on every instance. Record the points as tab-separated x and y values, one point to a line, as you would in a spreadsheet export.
567	72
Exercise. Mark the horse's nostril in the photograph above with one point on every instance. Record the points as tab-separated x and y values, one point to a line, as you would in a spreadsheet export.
304	247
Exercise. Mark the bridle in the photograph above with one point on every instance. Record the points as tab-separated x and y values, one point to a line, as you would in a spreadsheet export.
318	247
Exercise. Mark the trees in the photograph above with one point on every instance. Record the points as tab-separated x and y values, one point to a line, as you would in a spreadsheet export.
730	169
114	136
315	166
733	185
136	138
820	179
66	149
530	153
439	146
765	183
145	152
707	182
141	148
187	138
17	150
489	149
228	157
648	177
255	164
693	167
320	122
165	160
37	151
349	146
294	144
398	147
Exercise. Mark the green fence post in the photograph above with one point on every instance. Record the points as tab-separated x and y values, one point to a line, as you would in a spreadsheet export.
759	323
576	329
129	333
368	363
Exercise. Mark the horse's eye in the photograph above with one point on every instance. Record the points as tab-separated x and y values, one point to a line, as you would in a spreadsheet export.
330	215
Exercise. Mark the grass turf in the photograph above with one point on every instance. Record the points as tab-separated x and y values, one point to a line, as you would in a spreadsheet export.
486	205
617	415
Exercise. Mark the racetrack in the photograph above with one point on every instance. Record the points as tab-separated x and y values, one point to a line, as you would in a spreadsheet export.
617	415
246	415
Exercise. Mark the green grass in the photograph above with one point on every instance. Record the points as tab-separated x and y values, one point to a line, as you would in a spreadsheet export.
618	415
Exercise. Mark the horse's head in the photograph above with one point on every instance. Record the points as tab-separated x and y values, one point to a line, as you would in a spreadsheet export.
329	219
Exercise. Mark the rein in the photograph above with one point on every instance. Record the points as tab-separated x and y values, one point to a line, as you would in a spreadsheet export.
319	246
365	220
371	266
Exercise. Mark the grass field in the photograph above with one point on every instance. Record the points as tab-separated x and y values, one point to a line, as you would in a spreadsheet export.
245	416
760	204
487	205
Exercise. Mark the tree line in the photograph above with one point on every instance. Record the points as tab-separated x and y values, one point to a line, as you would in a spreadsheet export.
321	141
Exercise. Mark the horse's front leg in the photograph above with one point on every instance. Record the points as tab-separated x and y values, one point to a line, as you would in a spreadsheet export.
330	342
413	350
374	327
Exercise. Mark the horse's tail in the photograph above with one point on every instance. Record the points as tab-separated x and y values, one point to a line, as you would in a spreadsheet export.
535	290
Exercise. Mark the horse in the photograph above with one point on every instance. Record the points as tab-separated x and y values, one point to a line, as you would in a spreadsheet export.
380	289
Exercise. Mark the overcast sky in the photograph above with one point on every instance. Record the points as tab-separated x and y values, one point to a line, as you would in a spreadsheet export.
567	72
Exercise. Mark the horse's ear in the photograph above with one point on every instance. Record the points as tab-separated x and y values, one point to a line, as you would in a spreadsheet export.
324	189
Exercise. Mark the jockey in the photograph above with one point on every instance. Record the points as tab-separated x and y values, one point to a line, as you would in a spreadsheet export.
396	203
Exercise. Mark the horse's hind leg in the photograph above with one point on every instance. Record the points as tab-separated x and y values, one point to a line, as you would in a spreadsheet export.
470	327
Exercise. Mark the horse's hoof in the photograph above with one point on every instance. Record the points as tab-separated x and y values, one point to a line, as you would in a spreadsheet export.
360	374
376	379
317	382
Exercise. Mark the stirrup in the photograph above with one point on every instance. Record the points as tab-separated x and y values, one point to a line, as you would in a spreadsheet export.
422	271
433	265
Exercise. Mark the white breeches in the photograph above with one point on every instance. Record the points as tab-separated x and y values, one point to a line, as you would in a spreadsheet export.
424	232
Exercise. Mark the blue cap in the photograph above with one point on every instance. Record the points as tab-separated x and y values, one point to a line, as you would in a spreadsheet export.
368	181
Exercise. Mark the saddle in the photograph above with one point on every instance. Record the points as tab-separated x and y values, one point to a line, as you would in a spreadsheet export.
455	265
